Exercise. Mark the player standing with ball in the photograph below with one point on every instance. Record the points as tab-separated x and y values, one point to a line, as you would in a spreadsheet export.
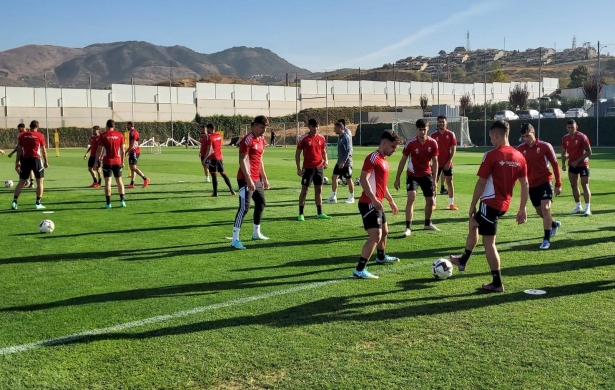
30	146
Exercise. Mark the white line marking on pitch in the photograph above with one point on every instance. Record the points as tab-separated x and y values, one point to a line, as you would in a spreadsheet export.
184	313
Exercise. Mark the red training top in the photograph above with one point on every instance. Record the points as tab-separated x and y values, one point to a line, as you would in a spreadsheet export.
112	141
419	156
134	136
376	164
501	167
215	140
538	158
445	141
575	146
313	147
31	143
93	144
253	147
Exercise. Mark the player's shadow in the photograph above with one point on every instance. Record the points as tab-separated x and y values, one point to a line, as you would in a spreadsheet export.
352	309
190	289
557	244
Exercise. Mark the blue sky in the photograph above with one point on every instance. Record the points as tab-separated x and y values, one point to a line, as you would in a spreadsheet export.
318	35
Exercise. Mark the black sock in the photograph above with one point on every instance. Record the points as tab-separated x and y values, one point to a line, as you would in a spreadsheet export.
99	180
427	222
227	181
362	264
553	224
38	200
121	197
547	234
497	278
408	223
380	254
143	177
441	188
108	199
465	257
301	210
15	198
132	182
319	209
214	181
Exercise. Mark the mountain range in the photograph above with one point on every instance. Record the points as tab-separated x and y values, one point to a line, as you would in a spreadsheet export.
143	62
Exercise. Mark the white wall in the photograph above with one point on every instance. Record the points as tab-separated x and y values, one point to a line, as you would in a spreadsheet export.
124	102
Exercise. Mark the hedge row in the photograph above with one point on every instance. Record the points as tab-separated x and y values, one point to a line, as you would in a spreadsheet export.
551	130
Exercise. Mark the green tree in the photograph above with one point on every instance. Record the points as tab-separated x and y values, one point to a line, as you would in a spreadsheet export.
424	102
459	74
578	77
499	77
592	88
465	101
518	97
495	65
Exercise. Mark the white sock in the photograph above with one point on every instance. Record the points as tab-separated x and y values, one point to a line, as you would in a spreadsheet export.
351	195
257	230
451	201
434	200
586	206
333	194
236	234
579	204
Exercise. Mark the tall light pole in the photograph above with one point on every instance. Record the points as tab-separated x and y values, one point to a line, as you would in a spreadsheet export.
539	89
485	70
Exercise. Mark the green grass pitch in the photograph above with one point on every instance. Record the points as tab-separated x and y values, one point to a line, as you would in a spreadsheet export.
286	313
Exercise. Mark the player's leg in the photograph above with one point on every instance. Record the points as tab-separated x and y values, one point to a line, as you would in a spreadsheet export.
31	180
587	195
39	174
493	259
381	256
259	207
24	174
213	165
225	177
245	197
350	183
541	198
448	178
334	185
99	174
91	161
306	182
117	173
472	238
427	185
318	179
372	223
107	172
442	180
574	185
411	197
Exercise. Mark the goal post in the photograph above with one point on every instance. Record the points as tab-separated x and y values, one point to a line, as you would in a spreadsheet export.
406	128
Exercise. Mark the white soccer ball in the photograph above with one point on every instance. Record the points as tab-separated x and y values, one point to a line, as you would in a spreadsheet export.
325	180
357	182
442	269
8	183
46	226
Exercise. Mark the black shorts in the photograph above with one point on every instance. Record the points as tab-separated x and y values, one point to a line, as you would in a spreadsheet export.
133	158
447	172
91	162
372	219
115	169
540	193
31	165
215	166
425	182
583	171
312	175
345	172
487	219
258	194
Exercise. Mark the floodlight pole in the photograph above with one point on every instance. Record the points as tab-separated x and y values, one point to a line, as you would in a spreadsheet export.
540	88
297	103
597	110
485	71
171	94
46	111
91	109
395	89
327	106
360	112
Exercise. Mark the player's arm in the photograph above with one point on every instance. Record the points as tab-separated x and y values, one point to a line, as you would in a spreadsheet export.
479	188
341	159
434	171
44	150
369	191
400	168
522	214
453	150
389	197
13	152
122	153
131	145
552	158
587	151
564	152
18	157
263	174
207	150
325	157
298	160
86	152
243	165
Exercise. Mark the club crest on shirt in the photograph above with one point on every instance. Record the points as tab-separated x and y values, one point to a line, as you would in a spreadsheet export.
525	152
416	150
537	150
429	149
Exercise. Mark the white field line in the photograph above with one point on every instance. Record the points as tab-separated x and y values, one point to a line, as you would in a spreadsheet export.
185	313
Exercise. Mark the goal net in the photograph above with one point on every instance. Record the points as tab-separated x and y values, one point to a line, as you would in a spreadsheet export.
406	128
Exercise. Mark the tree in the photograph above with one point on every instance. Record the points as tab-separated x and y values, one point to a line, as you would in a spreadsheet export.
425	77
564	82
465	101
592	88
518	97
470	66
499	77
459	74
495	65
442	52
609	65
424	102
578	77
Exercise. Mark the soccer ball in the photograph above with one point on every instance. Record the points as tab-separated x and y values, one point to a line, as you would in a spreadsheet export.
442	269
46	226
325	180
8	183
357	182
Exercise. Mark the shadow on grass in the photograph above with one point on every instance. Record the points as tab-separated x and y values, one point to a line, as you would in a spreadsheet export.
349	309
